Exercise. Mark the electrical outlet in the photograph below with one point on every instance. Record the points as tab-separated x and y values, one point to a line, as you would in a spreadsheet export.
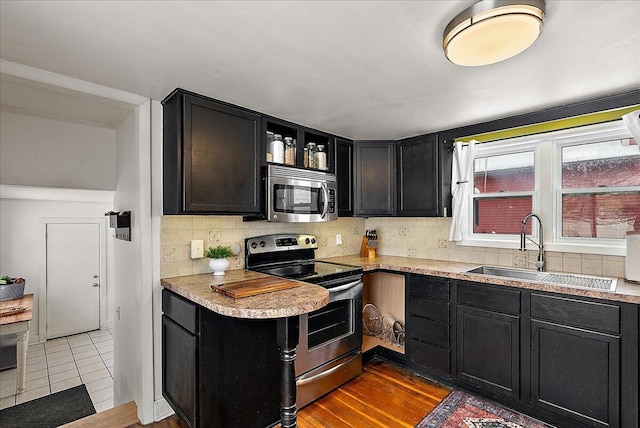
402	231
338	239
197	249
442	243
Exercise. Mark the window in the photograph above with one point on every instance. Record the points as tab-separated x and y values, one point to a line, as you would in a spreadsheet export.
503	192
599	194
584	183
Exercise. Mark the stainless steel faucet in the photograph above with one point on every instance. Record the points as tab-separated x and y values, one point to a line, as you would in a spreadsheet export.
523	240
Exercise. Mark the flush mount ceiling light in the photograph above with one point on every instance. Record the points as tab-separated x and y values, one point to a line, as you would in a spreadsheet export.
493	30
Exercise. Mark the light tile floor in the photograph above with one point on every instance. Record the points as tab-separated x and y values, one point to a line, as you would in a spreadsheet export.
63	363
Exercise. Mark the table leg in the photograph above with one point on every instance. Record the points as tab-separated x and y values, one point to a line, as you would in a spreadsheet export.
287	341
21	359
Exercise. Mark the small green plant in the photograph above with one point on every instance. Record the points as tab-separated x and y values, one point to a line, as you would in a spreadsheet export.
219	252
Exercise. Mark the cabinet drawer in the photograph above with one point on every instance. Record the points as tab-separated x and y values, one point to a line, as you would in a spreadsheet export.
429	308
433	332
426	286
430	356
180	310
579	313
489	297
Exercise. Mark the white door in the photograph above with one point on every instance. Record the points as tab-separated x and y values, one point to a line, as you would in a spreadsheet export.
73	278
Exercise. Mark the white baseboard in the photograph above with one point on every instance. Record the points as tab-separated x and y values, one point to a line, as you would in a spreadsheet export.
161	410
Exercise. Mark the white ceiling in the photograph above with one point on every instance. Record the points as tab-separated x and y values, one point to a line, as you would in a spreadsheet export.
364	70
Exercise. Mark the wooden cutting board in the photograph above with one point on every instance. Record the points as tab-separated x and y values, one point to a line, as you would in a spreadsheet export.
254	287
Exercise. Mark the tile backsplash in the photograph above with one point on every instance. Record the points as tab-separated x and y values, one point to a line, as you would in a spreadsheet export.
178	231
428	238
406	237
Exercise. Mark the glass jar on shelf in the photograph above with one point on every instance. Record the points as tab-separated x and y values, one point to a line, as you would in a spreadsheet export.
289	151
313	155
277	149
269	146
322	157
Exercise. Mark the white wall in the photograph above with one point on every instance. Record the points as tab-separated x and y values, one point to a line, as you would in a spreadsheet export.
22	239
133	338
36	151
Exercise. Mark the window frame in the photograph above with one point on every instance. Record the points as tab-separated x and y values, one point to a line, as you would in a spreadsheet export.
547	194
498	148
605	133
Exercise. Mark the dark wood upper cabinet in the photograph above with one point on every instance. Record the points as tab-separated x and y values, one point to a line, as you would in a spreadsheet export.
375	178
419	171
211	157
344	176
420	177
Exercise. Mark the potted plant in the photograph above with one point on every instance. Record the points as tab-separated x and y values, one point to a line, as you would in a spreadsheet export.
218	255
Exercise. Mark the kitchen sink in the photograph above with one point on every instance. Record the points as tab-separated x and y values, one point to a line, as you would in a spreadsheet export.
563	279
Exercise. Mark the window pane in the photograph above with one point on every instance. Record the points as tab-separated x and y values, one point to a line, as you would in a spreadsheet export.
600	215
504	173
605	164
502	215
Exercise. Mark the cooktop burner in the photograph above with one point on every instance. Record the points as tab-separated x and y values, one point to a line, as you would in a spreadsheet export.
311	271
293	256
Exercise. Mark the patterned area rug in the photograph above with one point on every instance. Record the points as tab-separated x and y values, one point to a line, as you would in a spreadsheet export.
462	410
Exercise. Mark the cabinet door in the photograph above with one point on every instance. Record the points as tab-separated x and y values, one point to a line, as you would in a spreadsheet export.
344	176
488	350
576	373
375	178
211	162
221	168
179	370
418	172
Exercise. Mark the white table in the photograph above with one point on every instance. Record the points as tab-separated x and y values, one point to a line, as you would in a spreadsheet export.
18	324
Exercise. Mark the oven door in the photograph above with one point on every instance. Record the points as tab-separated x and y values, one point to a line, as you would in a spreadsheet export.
296	200
333	330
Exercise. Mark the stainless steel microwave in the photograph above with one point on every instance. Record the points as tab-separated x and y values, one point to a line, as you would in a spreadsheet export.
297	195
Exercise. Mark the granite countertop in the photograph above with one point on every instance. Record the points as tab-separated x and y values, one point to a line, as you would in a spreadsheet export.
625	291
277	304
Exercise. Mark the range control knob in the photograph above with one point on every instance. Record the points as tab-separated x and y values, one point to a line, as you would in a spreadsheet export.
313	240
306	241
263	244
254	245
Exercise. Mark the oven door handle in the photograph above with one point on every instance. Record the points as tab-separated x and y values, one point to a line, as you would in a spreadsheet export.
325	208
302	380
345	286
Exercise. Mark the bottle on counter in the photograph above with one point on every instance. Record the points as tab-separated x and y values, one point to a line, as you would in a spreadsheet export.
289	151
277	149
322	157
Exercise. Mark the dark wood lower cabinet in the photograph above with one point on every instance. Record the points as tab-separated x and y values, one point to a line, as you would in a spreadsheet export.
576	373
226	373
488	350
567	360
179	371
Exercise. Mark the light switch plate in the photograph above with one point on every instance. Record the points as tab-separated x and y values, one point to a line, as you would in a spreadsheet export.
338	239
197	249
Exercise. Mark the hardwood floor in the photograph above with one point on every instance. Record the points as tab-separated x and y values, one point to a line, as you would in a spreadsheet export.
383	396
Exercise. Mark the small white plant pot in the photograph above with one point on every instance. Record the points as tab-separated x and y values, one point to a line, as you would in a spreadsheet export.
218	266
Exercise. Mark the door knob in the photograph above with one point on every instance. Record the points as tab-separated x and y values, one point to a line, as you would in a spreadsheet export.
95	276
95	284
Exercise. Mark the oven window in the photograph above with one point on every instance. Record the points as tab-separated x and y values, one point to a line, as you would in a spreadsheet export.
297	199
330	323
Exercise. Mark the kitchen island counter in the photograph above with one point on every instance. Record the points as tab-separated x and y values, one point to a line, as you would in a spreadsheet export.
298	300
625	291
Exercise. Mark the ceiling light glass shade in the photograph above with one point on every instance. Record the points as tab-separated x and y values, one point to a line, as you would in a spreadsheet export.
493	30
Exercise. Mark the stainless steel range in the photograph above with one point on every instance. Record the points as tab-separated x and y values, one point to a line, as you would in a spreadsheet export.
329	348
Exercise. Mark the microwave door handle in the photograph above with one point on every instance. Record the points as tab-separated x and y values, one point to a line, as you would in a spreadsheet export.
325	208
